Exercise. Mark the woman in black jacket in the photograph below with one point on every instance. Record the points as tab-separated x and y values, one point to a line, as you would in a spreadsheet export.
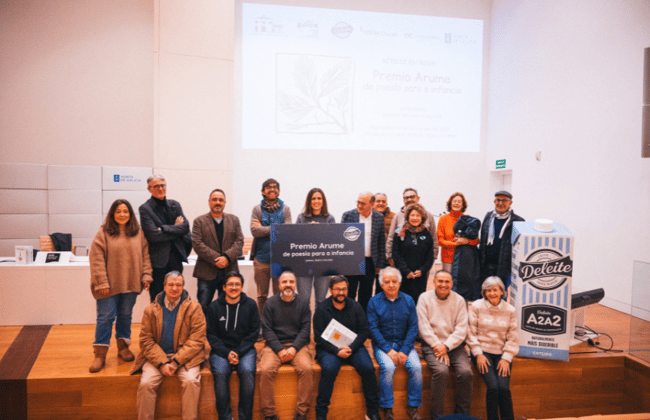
413	251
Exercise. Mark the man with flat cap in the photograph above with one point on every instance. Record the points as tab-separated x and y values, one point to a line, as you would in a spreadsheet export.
495	249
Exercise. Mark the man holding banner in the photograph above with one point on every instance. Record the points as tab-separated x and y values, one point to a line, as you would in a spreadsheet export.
375	245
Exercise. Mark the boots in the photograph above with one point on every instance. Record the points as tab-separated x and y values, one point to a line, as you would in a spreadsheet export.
100	358
123	351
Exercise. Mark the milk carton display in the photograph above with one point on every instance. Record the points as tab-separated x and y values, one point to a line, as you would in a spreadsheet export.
542	268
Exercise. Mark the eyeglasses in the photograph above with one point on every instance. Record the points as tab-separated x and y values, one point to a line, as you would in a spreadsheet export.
271	187
410	197
159	186
501	200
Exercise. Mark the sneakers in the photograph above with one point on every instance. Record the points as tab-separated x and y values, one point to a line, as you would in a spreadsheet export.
374	416
388	414
413	413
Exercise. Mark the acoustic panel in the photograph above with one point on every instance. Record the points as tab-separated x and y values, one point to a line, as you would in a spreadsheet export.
79	225
136	198
75	202
17	226
25	176
23	201
61	177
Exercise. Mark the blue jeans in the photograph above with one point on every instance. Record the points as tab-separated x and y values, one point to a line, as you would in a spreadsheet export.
221	371
386	372
498	397
118	306
321	286
331	364
205	289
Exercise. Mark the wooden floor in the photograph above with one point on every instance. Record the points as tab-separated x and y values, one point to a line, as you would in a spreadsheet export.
58	384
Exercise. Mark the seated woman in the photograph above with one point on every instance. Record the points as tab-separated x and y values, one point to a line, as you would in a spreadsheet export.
493	339
413	251
456	206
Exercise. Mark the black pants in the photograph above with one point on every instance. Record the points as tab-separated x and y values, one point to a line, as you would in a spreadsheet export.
364	283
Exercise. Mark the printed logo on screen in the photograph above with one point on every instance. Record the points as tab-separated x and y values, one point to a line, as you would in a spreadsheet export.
546	269
264	24
352	233
125	178
342	30
308	29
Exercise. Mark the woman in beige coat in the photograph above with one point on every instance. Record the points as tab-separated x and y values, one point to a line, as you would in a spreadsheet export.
119	269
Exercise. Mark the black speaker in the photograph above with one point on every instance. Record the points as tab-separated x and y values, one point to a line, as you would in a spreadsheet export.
645	122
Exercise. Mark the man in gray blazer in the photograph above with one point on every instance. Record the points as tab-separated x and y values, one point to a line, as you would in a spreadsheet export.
167	231
218	240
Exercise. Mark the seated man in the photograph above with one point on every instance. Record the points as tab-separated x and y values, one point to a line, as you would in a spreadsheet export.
393	322
443	326
349	313
233	328
172	342
286	326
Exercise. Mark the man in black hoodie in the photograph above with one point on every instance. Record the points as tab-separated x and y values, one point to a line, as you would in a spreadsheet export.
233	328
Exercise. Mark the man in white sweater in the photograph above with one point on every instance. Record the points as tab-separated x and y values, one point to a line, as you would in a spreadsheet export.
443	326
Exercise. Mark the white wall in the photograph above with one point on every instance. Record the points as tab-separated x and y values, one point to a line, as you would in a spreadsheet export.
566	79
79	88
76	82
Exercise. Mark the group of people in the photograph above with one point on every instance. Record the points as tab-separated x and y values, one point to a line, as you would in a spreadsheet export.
178	333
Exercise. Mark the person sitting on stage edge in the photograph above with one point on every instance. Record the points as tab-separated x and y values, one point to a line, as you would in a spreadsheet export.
393	322
493	339
350	314
233	328
172	343
442	323
286	326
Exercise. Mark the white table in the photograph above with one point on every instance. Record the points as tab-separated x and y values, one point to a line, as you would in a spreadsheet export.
60	294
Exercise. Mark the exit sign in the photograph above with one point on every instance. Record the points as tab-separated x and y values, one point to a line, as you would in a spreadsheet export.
501	164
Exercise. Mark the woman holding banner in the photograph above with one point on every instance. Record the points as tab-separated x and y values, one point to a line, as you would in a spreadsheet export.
315	211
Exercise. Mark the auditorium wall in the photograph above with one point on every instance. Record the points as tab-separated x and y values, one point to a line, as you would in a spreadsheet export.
80	88
565	80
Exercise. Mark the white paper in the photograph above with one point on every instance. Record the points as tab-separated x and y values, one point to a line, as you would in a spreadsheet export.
338	334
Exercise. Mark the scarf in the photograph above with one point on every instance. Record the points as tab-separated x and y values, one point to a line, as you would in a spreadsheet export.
507	215
413	229
272	207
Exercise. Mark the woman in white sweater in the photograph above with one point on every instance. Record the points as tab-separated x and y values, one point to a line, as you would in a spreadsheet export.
494	341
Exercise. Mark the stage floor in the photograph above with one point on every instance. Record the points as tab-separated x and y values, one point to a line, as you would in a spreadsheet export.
44	374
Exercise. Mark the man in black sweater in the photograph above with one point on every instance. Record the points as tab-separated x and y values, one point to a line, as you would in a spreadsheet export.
286	326
351	315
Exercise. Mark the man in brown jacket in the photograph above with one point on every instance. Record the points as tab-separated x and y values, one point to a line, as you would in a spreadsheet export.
218	240
172	342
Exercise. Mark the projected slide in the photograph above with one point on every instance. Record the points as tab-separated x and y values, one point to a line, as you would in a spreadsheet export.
350	80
